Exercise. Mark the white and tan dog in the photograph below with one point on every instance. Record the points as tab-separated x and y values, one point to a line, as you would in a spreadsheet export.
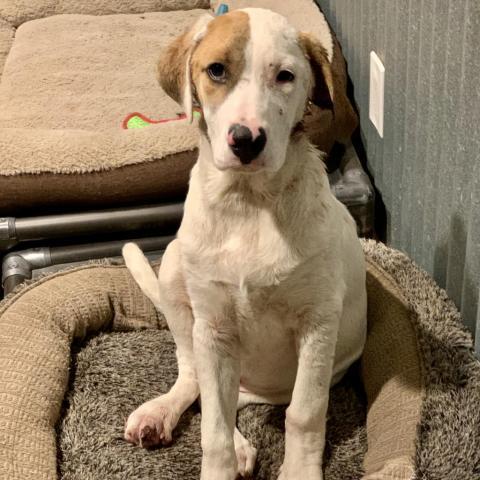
264	287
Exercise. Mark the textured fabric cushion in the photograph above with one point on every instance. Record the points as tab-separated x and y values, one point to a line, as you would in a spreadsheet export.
448	435
392	371
19	11
37	327
68	83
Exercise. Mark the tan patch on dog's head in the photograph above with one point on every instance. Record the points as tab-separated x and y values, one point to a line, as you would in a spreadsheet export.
172	65
224	42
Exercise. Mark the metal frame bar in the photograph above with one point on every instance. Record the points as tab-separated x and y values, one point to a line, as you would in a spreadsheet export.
163	218
18	266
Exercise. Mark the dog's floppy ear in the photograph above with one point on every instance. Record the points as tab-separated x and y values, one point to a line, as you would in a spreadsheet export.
174	65
330	90
322	92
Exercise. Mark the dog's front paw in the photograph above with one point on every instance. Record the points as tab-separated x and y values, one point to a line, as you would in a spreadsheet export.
246	457
303	472
152	423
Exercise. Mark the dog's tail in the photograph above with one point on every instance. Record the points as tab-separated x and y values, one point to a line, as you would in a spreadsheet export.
142	272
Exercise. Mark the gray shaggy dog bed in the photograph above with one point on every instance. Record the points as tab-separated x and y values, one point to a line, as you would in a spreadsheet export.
114	372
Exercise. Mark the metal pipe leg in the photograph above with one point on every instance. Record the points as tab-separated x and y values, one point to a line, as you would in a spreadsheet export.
18	266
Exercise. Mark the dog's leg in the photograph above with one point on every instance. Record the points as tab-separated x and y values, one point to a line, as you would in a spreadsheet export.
305	422
246	453
153	422
216	348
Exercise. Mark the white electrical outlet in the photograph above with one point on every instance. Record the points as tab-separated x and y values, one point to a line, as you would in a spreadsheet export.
377	92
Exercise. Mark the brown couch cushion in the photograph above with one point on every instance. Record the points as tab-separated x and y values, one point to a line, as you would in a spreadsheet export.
156	179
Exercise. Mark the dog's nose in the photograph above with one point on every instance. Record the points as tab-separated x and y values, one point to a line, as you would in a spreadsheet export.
243	144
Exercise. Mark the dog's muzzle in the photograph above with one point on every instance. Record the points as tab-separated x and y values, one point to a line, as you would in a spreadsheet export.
243	144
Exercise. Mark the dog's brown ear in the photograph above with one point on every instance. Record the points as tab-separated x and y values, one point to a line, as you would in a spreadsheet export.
330	90
174	65
323	91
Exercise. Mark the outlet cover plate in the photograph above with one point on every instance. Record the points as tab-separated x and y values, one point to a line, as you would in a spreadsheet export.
377	92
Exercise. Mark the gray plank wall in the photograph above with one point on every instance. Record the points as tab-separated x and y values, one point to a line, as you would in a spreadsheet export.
427	167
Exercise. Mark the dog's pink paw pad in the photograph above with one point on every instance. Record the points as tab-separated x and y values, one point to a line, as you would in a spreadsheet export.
149	426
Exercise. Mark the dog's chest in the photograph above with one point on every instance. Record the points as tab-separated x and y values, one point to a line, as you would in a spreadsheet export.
250	254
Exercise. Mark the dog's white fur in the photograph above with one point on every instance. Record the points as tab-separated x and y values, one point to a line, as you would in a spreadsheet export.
264	287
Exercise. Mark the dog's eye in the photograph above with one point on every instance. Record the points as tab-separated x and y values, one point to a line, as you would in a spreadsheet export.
285	76
217	72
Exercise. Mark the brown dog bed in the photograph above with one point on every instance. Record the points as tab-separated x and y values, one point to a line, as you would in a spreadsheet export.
62	411
72	72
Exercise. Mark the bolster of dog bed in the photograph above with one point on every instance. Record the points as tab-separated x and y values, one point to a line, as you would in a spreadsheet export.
37	327
79	167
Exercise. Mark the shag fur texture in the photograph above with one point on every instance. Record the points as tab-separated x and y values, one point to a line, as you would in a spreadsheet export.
116	372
